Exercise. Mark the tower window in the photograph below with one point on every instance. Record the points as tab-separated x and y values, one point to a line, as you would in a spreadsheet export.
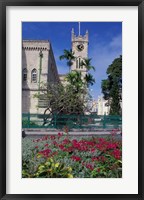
78	63
25	74
34	76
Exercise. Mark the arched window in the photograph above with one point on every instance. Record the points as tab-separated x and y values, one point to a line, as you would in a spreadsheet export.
25	74
34	76
78	63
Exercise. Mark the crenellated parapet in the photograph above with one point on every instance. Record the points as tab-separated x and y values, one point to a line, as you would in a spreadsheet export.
35	45
35	48
79	38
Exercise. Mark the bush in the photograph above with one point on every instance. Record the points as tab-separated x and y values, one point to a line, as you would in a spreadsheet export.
48	169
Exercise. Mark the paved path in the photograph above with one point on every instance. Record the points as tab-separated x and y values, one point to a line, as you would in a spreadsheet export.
80	133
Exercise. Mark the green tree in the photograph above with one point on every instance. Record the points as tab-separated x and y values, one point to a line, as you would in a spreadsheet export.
115	108
89	79
74	79
86	62
71	98
112	86
69	56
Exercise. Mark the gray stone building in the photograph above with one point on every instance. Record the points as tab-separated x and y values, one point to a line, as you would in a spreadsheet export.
38	65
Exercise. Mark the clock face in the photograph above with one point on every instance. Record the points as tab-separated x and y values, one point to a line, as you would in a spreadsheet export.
80	47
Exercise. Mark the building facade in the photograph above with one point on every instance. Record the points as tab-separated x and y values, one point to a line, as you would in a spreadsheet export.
38	65
102	106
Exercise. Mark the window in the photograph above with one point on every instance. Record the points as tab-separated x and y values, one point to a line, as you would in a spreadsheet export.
34	76
25	74
79	60
78	63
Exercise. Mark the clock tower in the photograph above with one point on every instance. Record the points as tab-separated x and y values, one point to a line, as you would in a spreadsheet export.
80	49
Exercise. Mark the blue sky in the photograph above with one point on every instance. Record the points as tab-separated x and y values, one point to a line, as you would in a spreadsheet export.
105	43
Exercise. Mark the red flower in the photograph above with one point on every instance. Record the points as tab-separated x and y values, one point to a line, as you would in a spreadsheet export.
61	147
45	152
65	141
55	143
116	153
52	137
92	150
76	158
89	166
36	147
94	158
44	138
60	134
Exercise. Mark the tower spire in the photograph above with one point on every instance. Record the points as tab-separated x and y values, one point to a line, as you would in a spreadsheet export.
79	28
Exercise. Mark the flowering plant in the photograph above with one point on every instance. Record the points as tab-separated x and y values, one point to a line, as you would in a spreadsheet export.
85	156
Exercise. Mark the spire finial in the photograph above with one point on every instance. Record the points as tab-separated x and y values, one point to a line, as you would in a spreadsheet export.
79	28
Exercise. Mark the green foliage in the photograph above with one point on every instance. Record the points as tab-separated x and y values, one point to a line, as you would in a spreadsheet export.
70	99
75	82
47	169
115	104
112	86
69	56
89	79
86	62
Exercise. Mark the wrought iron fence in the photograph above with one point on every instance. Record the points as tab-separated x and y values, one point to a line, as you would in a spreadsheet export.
55	121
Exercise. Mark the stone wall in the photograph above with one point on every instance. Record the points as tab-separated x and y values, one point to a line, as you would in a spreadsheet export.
31	60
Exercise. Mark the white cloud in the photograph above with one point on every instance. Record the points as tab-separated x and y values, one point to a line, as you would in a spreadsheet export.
116	42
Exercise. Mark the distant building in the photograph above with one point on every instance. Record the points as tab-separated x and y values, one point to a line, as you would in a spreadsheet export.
102	106
94	106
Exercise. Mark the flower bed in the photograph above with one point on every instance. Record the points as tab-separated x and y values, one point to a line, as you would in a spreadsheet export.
64	156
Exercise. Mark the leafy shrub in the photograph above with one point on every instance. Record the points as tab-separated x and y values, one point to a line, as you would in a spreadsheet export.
48	169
